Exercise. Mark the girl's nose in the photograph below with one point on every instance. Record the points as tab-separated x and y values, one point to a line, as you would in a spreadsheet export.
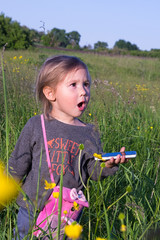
82	91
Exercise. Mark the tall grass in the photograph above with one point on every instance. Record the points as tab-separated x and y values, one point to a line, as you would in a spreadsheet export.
124	106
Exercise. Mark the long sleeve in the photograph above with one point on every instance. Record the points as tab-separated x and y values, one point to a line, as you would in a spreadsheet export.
24	163
20	161
94	170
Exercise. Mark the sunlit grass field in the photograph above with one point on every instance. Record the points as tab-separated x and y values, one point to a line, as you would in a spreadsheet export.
125	106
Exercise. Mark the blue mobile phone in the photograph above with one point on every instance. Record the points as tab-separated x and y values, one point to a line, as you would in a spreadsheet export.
107	156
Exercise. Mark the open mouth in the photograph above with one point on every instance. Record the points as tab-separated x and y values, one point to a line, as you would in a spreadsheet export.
81	105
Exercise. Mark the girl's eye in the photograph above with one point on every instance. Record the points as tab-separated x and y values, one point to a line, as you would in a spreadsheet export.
87	84
73	84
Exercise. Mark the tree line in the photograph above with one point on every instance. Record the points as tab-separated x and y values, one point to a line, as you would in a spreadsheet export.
21	37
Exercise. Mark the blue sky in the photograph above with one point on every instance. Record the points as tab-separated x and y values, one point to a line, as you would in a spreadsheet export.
136	21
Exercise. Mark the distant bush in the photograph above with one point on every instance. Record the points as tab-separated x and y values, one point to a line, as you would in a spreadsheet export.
100	45
153	53
122	44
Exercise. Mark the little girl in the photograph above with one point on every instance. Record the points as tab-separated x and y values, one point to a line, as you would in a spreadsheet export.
63	87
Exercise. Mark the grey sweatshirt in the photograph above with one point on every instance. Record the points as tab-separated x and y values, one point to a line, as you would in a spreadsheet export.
28	160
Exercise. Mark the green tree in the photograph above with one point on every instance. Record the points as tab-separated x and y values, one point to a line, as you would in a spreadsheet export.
35	35
122	44
100	45
73	38
13	34
55	38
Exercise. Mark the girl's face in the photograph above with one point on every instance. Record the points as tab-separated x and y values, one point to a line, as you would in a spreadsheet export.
72	96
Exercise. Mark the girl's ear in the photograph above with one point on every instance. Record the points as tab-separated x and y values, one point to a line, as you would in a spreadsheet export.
49	93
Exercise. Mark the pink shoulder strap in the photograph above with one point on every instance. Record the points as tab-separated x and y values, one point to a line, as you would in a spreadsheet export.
46	148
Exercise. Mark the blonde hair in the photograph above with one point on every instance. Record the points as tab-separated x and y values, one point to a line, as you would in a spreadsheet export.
52	72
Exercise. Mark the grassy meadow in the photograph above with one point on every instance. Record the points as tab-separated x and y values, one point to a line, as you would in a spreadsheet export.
125	106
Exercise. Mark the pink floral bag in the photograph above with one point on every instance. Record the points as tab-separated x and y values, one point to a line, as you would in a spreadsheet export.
70	197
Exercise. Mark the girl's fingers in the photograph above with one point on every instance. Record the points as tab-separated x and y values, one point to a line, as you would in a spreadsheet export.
110	163
122	150
123	159
118	159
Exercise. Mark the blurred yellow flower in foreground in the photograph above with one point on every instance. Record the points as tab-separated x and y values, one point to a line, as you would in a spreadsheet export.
56	194
99	156
65	212
9	188
49	185
75	206
98	238
73	231
123	228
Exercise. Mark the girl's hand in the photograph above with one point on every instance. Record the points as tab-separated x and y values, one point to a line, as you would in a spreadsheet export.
120	159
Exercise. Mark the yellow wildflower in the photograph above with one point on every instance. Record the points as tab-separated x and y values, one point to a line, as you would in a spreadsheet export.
141	88
15	58
99	156
65	212
49	185
76	206
24	199
90	114
98	238
20	57
9	188
73	231
151	127
123	228
55	194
